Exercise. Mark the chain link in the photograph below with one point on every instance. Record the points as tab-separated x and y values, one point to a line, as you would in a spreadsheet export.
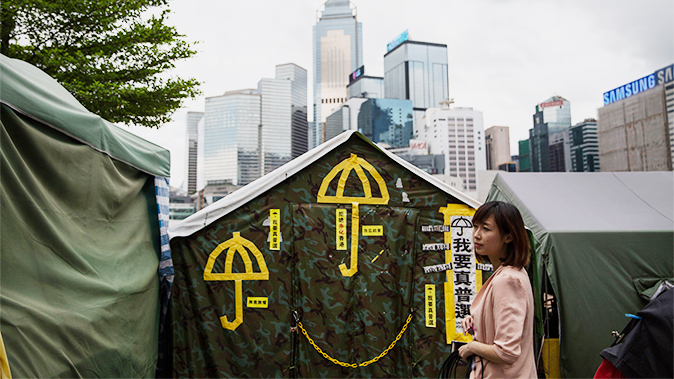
355	365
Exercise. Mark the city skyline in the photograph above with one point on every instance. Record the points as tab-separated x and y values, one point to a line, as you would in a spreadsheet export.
503	57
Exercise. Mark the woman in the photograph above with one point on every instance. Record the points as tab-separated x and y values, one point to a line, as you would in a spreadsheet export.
502	314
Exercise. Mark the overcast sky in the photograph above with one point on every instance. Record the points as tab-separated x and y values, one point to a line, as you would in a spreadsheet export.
505	56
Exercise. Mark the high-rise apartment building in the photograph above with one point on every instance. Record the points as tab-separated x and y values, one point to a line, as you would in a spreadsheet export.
634	128
552	116
191	141
584	146
497	146
417	71
338	51
249	133
458	134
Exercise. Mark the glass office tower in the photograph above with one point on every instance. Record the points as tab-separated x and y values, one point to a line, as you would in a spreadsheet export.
338	51
387	122
417	71
249	133
283	125
552	116
231	138
193	119
298	106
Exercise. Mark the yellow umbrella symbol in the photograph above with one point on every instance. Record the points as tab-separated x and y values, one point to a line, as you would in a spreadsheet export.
345	166
236	244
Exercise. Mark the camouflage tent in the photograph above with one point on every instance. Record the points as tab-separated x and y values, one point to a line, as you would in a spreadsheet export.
337	264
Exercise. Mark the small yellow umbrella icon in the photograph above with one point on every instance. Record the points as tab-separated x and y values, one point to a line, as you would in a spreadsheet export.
345	166
236	244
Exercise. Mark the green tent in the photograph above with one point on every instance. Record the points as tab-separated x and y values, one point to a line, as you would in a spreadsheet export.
604	241
80	236
334	265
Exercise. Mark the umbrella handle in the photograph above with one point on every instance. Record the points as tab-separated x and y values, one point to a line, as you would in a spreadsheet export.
238	289
354	244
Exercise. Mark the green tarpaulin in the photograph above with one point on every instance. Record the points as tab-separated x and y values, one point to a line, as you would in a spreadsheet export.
604	240
79	289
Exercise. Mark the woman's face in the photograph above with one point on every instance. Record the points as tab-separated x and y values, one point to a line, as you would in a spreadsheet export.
489	241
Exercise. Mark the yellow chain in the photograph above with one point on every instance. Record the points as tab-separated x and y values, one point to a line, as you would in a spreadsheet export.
354	365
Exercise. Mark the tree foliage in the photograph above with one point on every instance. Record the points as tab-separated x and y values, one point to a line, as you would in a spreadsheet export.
112	55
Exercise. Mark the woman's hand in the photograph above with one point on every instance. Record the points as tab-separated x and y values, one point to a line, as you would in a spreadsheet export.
464	351
467	324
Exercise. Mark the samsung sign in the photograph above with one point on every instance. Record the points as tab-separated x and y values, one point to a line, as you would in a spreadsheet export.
661	76
356	74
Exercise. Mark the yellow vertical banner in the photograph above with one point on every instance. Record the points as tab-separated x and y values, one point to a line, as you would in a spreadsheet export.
275	229
430	305
340	224
451	321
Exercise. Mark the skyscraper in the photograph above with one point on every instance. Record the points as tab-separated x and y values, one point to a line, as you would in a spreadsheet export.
192	119
251	132
635	128
298	105
231	138
338	51
417	71
552	116
458	134
584	146
283	125
387	122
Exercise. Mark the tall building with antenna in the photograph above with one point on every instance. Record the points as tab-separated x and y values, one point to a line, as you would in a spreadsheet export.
338	51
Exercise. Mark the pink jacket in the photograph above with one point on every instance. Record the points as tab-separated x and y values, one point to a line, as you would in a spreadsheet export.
503	313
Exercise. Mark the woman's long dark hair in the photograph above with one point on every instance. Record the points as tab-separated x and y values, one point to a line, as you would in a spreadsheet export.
509	221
